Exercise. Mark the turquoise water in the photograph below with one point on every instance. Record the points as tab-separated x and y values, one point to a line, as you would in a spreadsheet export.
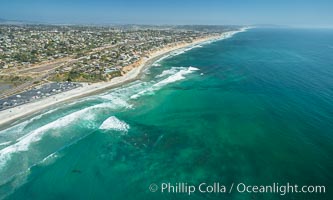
256	108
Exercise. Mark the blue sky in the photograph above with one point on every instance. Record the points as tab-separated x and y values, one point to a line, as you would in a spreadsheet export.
280	12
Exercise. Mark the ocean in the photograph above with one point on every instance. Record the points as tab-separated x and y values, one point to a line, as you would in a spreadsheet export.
255	109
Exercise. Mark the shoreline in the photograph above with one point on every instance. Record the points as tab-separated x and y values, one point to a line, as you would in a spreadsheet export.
134	71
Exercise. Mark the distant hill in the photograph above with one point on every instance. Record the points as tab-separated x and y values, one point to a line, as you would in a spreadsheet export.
269	25
15	22
6	21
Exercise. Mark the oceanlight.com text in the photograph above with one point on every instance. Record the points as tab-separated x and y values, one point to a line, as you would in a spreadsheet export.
216	187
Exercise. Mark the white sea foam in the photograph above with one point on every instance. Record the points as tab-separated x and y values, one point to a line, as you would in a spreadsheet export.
18	128
5	143
23	143
49	159
156	64
229	34
193	69
171	71
113	123
198	46
184	50
178	75
117	100
16	131
175	53
119	97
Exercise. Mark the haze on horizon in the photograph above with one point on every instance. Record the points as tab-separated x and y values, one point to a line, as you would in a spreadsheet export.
303	13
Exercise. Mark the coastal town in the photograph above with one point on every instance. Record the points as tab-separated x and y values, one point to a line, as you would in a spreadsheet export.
32	56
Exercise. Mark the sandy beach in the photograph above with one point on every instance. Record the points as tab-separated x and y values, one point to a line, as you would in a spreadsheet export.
133	71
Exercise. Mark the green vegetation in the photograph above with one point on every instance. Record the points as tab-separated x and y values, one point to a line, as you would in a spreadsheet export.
26	57
15	79
76	76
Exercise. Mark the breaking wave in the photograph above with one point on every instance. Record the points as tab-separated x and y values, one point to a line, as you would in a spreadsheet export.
23	143
171	71
156	64
178	73
20	127
116	100
176	77
113	123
